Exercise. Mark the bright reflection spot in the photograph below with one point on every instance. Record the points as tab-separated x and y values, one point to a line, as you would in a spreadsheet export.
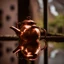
27	26
29	54
26	50
37	51
22	47
53	10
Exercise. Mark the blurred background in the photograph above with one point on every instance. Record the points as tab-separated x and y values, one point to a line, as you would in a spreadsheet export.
9	17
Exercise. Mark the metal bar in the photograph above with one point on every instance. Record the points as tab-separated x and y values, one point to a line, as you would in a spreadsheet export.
48	38
23	9
23	13
45	14
54	38
45	27
8	37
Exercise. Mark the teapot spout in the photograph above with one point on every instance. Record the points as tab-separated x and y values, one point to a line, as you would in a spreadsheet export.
17	31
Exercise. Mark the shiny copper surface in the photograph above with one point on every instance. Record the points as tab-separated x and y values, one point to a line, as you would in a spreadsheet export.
29	35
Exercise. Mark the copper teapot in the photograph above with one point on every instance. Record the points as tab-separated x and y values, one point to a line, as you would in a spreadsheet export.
29	35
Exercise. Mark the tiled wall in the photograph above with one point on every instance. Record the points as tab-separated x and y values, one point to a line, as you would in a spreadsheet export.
8	17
